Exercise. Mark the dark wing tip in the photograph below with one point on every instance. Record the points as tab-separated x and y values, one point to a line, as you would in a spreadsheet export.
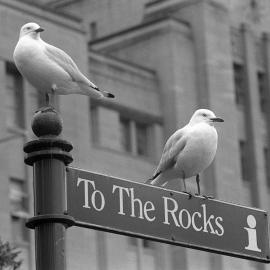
105	93
109	95
156	174
148	181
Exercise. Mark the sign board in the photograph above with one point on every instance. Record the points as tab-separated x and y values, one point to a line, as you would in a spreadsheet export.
130	208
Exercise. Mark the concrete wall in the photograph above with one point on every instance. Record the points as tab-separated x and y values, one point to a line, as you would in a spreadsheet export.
171	63
109	16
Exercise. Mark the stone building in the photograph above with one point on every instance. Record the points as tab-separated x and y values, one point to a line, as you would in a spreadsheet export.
162	59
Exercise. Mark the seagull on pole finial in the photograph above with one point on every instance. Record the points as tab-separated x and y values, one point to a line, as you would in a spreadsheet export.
49	69
189	151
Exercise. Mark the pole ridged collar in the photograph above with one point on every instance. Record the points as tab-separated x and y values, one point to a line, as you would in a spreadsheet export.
41	219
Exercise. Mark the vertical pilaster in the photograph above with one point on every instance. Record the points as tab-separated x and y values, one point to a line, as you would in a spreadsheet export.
214	83
253	118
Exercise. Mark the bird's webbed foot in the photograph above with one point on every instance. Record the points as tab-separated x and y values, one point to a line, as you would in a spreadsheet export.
48	108
189	194
207	197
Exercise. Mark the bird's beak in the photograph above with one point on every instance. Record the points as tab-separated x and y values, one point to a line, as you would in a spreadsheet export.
216	119
39	30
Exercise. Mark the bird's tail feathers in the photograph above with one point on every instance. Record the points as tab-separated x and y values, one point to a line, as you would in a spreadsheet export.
158	179
86	89
148	181
107	94
104	93
99	93
151	180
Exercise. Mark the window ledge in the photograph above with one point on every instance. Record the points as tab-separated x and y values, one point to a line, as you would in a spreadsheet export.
150	160
21	244
11	128
20	214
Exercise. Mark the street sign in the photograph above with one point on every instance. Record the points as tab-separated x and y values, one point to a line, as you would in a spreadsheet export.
111	204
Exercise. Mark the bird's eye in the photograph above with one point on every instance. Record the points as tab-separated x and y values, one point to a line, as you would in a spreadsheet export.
204	115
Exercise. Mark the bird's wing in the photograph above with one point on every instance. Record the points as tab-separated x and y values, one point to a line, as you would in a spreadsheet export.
65	61
172	149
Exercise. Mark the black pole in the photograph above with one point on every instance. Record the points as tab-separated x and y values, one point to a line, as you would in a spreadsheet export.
49	156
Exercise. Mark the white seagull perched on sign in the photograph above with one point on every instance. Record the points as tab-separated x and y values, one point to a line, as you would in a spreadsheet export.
189	151
49	69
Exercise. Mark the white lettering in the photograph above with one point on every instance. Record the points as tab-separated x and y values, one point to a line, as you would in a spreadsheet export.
219	226
121	197
172	211
133	201
252	234
102	200
207	221
198	229
86	183
181	218
134	206
146	209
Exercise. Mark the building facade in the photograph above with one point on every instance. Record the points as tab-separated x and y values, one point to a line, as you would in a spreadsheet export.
163	60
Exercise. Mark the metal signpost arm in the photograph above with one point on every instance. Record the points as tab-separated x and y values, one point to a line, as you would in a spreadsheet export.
49	156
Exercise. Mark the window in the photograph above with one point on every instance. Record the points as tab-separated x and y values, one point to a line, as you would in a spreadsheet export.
15	96
94	123
93	30
243	160
133	241
262	90
18	200
142	139
267	165
125	133
120	129
239	83
135	136
144	243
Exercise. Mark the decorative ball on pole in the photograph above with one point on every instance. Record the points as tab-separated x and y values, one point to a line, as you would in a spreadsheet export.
47	125
47	122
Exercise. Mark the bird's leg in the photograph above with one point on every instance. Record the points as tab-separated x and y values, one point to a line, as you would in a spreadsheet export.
47	105
184	182
185	187
47	99
206	197
163	185
198	184
50	99
53	94
199	189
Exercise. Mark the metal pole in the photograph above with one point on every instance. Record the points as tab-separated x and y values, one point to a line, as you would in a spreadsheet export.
49	156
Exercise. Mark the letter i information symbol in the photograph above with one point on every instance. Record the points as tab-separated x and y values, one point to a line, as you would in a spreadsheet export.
252	234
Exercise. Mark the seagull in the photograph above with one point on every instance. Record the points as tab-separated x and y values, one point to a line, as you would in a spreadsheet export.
48	68
189	151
